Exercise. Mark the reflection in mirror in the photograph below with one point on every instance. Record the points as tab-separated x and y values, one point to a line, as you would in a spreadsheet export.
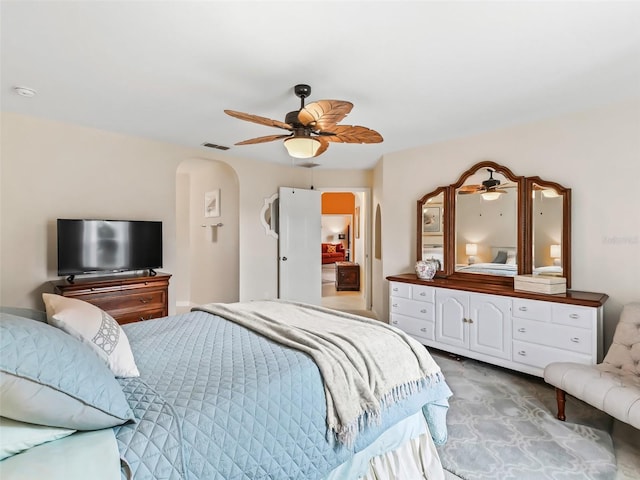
547	223
433	229
486	224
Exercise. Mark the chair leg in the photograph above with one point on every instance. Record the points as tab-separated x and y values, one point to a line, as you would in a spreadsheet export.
561	398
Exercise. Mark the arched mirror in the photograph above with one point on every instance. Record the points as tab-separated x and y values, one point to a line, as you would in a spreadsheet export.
494	225
431	226
487	215
550	232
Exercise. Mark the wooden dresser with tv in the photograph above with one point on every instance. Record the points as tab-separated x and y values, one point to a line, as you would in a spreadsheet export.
127	298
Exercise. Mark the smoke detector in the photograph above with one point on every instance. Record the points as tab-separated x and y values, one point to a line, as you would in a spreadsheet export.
25	91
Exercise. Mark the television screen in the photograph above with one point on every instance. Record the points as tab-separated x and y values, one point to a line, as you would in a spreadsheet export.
89	246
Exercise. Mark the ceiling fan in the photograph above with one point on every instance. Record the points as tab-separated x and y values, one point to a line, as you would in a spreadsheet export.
490	189
311	127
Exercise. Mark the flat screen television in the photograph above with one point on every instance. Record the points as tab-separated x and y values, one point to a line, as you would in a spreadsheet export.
93	246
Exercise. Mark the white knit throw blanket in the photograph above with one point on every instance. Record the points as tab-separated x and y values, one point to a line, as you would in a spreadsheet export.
366	365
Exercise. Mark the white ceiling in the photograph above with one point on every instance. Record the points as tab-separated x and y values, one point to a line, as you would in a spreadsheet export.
417	72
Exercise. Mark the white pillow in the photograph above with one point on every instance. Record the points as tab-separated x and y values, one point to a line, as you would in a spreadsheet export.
15	437
93	327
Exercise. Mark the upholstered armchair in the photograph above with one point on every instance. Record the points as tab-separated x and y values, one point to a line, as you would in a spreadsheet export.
612	386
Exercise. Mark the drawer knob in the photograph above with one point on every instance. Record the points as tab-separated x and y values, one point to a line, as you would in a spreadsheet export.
395	289
423	329
522	330
522	353
422	294
424	310
395	305
146	300
574	316
523	309
575	340
395	322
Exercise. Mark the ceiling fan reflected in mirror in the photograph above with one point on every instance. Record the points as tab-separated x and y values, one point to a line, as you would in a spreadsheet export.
489	189
312	127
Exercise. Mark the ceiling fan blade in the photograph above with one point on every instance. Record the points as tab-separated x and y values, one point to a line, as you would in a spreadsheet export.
268	138
324	144
258	119
352	134
466	189
324	114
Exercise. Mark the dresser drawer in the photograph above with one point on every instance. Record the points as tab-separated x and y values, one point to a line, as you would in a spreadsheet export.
130	300
129	317
423	293
540	356
572	315
560	336
532	310
414	327
400	290
412	308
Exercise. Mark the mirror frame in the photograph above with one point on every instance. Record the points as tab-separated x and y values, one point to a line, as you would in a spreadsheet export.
566	224
524	225
445	230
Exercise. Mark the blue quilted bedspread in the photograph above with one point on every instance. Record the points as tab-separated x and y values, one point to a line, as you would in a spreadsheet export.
217	401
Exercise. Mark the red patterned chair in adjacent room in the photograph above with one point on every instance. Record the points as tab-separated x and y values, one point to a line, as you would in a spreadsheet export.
332	252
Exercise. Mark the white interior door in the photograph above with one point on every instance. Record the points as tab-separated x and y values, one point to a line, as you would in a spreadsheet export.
299	251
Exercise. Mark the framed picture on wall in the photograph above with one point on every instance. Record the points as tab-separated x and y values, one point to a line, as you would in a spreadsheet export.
212	203
356	223
432	220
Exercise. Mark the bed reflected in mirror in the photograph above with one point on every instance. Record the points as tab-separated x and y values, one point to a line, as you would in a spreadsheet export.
486	224
547	223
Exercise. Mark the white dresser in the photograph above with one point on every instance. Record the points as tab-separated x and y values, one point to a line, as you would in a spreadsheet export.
495	324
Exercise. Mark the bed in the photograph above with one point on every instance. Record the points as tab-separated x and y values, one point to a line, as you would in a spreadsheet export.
217	400
503	263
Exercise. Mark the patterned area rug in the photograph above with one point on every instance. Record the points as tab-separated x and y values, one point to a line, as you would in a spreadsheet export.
502	425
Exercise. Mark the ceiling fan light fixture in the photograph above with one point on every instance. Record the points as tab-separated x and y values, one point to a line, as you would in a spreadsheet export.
490	195
302	147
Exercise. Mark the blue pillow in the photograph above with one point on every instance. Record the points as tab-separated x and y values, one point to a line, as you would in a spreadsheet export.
501	257
47	377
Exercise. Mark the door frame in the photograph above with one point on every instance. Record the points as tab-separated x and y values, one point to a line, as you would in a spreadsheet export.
365	280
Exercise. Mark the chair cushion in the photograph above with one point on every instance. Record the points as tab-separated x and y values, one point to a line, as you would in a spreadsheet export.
601	386
624	352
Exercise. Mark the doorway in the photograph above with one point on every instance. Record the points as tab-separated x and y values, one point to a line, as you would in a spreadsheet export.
344	225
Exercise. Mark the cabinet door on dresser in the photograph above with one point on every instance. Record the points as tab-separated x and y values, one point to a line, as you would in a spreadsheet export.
490	325
476	322
452	311
411	309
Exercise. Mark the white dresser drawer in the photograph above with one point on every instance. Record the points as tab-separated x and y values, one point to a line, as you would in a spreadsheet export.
414	327
540	356
423	293
560	336
397	289
572	315
412	308
532	310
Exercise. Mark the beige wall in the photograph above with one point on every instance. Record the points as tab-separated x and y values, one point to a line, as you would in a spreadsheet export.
52	170
596	153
